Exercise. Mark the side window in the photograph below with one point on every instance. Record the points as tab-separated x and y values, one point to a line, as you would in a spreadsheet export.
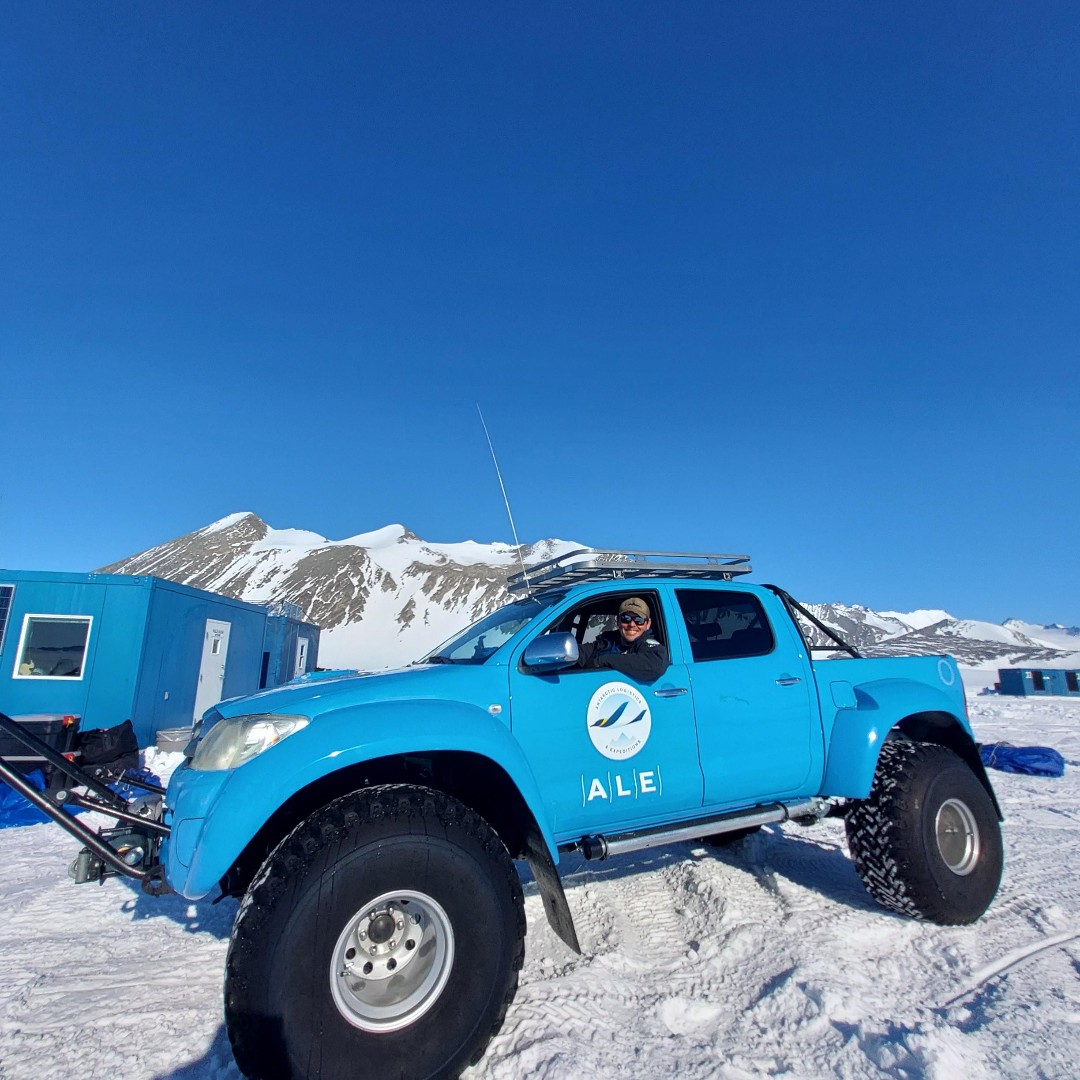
724	625
52	647
587	622
598	614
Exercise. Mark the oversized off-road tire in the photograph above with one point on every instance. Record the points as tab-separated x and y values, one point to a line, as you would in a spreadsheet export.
926	842
382	938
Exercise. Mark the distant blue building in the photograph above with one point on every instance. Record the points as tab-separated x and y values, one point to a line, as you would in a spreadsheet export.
109	647
1039	682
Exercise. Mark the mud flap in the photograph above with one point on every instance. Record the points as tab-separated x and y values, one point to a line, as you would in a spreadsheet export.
551	891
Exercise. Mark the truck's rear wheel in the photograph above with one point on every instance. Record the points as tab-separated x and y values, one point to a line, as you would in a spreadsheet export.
382	938
926	842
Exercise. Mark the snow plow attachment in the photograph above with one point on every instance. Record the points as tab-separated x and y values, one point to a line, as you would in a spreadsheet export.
131	849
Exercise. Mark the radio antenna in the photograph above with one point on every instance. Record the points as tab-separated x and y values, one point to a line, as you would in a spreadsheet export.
498	473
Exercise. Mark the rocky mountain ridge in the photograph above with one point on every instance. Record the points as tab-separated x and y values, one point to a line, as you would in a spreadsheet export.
974	644
383	598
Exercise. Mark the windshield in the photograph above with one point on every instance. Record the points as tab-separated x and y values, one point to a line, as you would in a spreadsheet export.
479	641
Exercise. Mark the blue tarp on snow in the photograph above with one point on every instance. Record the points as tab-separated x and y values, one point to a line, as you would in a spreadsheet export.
15	810
1028	760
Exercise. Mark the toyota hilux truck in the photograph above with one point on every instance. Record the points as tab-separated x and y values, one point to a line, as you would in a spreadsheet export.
370	823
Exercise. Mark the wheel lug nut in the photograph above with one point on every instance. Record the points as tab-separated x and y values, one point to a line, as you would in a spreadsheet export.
363	935
400	923
373	950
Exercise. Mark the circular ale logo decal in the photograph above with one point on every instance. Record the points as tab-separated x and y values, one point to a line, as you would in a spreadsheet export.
618	720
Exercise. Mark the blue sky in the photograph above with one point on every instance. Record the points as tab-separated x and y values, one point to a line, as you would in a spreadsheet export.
800	280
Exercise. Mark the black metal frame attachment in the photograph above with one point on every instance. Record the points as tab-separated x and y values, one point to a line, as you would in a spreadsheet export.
132	851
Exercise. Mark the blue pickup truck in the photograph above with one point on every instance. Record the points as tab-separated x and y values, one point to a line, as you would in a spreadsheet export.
371	822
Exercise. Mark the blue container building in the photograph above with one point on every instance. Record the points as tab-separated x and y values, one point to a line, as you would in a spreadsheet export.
111	647
1039	682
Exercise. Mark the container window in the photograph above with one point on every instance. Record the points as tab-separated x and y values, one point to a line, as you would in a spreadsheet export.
7	592
53	647
1071	682
1037	681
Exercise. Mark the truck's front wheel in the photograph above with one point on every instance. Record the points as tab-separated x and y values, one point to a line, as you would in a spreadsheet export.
382	938
926	842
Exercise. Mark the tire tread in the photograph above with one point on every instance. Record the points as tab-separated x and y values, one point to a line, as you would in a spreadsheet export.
888	851
294	857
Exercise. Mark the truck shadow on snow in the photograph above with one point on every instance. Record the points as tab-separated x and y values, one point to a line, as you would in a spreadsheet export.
204	917
216	1064
777	860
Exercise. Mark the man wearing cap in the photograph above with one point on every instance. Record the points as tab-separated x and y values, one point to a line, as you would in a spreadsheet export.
631	649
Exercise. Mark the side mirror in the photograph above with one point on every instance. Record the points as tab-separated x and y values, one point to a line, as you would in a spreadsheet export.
550	652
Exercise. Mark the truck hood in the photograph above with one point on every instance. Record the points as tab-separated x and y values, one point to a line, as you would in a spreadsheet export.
462	682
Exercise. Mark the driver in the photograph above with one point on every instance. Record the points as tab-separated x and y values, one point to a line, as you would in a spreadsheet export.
631	649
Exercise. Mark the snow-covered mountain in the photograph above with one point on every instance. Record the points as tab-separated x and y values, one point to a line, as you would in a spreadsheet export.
384	598
974	644
1056	636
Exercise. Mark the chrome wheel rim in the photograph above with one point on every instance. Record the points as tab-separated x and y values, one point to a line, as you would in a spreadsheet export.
957	836
392	960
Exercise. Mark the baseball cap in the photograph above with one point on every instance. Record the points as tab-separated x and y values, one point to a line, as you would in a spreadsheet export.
636	605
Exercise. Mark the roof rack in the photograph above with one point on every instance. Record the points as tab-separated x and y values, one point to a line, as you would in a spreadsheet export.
592	564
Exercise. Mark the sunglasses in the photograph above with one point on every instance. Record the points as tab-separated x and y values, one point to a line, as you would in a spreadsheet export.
627	618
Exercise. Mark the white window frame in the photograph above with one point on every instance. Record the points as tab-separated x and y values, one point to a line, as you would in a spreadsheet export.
52	616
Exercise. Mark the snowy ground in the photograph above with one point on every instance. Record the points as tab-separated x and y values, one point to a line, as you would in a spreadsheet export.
768	960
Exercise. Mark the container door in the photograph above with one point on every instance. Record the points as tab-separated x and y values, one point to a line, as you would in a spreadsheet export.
212	669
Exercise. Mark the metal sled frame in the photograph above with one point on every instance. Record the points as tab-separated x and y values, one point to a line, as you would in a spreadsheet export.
100	798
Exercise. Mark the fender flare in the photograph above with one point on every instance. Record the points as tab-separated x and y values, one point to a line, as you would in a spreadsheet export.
250	794
920	711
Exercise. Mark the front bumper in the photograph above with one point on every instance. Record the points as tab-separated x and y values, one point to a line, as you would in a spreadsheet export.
194	866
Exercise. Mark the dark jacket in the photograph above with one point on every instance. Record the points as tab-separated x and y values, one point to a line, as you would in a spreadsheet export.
645	659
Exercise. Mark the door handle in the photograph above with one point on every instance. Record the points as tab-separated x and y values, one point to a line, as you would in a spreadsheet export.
673	691
788	680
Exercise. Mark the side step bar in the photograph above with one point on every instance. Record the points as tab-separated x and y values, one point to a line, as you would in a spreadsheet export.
131	851
601	847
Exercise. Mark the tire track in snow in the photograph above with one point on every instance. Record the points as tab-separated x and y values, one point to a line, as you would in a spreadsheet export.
692	951
1007	963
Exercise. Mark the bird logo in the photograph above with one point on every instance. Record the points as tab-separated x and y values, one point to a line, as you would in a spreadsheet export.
618	720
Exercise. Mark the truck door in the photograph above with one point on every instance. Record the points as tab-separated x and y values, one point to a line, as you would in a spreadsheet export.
606	749
758	734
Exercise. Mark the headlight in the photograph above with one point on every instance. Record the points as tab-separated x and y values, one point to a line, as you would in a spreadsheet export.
230	743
